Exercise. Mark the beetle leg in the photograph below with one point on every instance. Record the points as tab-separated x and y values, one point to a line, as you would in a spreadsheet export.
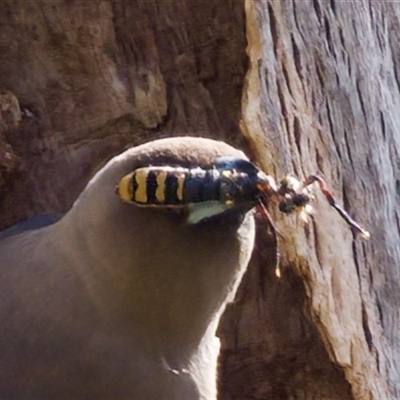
265	215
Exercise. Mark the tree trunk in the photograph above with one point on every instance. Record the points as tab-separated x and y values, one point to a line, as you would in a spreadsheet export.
322	94
318	91
93	78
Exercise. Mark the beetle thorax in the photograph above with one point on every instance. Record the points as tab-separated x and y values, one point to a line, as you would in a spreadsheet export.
238	188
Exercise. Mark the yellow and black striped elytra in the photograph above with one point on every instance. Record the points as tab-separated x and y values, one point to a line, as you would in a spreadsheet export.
161	185
230	183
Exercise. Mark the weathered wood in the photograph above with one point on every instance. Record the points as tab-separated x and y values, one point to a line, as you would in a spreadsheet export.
321	94
93	78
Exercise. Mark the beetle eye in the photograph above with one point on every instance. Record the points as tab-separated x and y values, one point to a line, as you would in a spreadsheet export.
287	206
290	204
300	200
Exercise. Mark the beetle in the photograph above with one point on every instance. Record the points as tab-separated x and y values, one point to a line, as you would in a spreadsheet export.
231	183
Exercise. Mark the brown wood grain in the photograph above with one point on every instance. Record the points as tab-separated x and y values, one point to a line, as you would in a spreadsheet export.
302	87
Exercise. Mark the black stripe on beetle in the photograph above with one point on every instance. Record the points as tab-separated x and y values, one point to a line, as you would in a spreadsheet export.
171	189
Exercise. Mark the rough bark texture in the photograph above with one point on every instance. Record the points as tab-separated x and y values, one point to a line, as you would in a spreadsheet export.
319	90
323	89
93	78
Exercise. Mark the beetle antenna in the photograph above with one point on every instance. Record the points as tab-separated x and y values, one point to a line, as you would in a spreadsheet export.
331	200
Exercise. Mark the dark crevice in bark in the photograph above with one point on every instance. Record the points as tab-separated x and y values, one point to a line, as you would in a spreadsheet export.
371	11
331	128
320	76
369	166
354	26
314	104
333	6
299	31
337	79
380	312
346	57
396	212
346	141
341	37
367	331
350	67
371	277
297	59
287	80
297	133
361	100
316	241
381	41
329	37
317	9
355	258
264	73
377	360
383	125
295	15
380	28
319	160
283	105
395	68
273	29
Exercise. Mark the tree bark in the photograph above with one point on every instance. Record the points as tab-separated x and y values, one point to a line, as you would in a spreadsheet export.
322	94
93	78
317	91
